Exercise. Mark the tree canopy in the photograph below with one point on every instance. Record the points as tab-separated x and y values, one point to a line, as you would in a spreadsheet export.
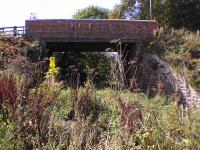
92	12
182	13
95	65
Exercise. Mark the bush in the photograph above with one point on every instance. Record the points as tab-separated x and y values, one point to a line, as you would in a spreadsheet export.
181	50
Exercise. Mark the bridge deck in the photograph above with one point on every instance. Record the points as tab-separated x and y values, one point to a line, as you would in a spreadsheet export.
90	30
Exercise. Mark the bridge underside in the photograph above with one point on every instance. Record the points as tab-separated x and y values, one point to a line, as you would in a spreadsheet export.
91	36
86	46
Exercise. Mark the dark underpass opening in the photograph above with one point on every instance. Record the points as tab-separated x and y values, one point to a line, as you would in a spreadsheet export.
78	67
102	63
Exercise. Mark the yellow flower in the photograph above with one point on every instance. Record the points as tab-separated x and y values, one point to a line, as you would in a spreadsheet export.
53	70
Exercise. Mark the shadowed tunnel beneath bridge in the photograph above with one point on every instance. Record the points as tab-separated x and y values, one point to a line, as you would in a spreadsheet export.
87	46
87	35
68	54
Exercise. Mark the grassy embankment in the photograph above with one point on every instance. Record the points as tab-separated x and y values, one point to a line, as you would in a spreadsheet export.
49	116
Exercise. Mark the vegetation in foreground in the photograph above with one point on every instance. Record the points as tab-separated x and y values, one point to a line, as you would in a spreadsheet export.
181	49
37	113
51	117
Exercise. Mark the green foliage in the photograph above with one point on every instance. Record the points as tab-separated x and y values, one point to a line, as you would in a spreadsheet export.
183	13
134	9
91	66
94	65
7	138
51	117
92	12
10	49
181	49
89	118
168	13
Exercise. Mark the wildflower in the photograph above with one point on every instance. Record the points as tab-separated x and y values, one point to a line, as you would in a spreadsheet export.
53	70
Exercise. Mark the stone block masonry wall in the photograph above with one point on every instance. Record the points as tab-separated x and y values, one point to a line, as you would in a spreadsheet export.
150	72
89	30
156	74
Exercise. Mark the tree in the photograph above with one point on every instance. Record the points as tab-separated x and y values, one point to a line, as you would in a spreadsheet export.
182	13
126	9
119	10
92	12
158	8
137	9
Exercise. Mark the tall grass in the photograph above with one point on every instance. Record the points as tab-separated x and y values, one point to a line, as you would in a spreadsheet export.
50	117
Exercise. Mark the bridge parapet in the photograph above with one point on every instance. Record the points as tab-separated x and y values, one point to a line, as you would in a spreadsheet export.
12	31
90	30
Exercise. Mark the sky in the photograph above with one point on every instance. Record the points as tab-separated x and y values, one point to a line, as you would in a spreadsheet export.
15	12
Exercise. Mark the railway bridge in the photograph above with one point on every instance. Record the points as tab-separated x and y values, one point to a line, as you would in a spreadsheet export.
84	35
96	35
88	35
